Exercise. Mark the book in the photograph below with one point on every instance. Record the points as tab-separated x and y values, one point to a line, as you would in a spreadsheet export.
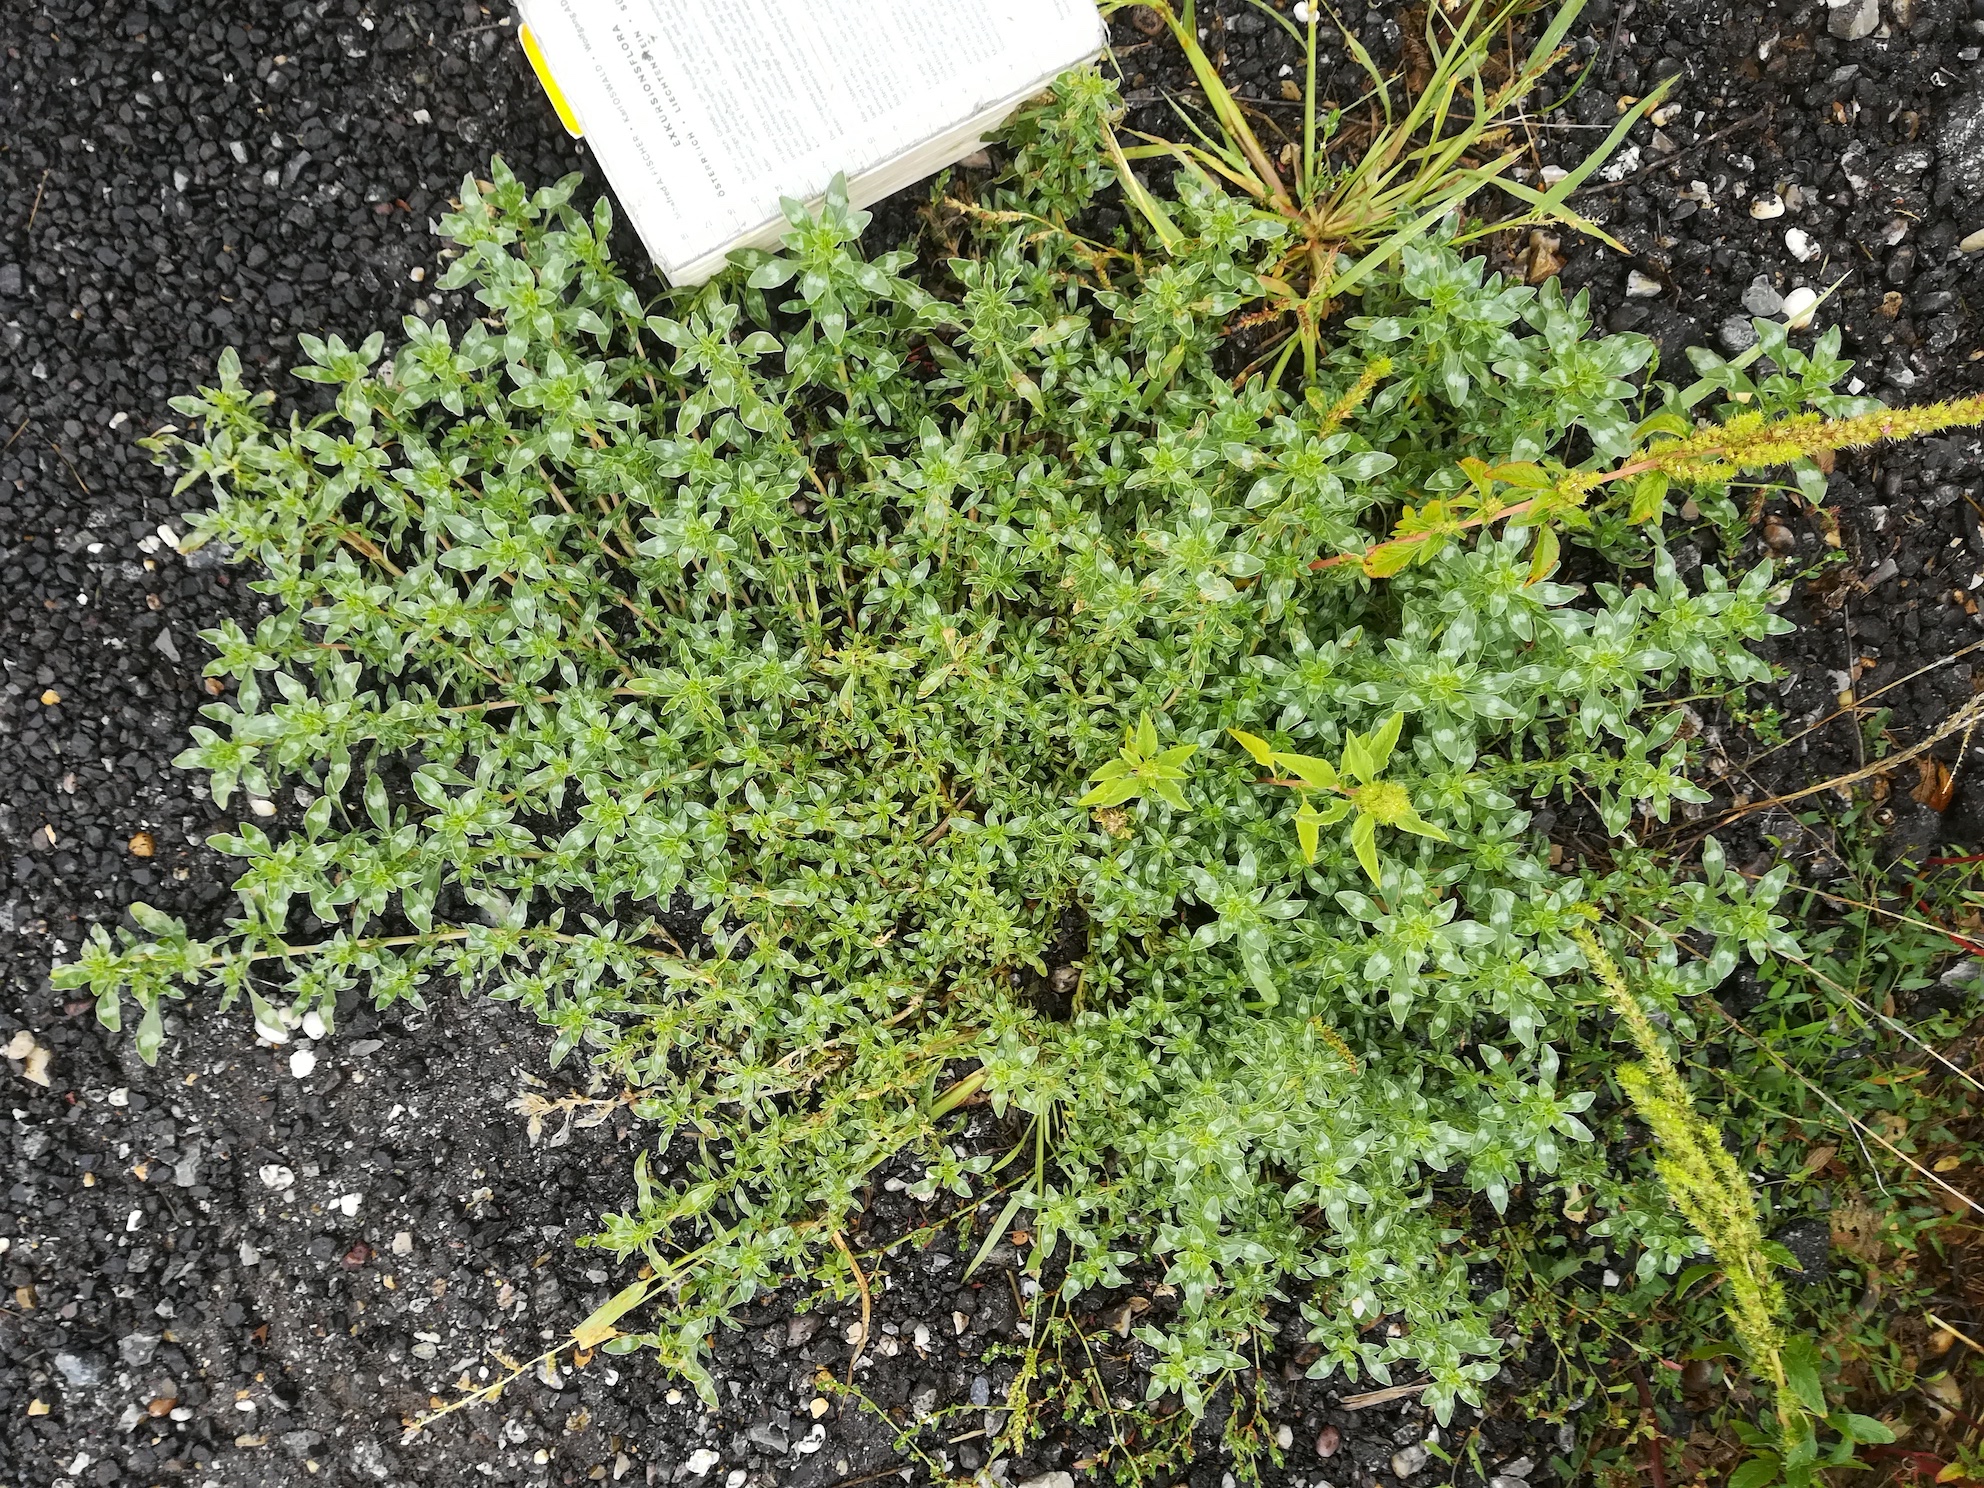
704	114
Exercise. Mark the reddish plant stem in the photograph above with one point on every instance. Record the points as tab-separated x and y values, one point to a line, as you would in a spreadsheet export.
1656	1456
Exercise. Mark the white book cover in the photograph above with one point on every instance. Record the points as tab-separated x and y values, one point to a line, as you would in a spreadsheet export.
705	113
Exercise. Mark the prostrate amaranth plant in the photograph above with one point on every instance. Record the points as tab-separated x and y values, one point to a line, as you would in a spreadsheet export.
726	680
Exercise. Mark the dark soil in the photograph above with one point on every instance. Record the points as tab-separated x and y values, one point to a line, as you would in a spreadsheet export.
222	1271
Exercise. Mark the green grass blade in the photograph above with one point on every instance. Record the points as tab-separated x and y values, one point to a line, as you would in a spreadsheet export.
1545	212
1225	107
1139	195
992	1240
1552	202
1379	88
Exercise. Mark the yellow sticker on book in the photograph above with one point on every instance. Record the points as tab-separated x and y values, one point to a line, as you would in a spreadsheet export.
551	89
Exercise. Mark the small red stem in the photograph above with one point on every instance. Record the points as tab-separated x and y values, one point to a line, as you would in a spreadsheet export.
1656	1457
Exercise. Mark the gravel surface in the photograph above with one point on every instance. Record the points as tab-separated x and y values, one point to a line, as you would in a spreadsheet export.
250	1264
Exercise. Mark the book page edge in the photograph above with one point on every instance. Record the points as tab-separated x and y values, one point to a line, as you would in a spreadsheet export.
870	186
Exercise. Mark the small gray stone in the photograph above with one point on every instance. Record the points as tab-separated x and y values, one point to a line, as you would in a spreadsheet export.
1736	334
10	281
368	1458
186	1172
1522	1467
1960	144
799	1330
299	1443
1810	1242
1408	1460
1762	298
1911	160
768	1436
981	1391
81	1371
208	556
1854	19
1050	1480
136	1349
164	645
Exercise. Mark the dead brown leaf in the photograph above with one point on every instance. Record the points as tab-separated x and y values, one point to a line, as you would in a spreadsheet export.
1543	259
1936	786
1856	1229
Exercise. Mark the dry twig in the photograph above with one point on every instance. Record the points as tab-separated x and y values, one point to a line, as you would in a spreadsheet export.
861	1281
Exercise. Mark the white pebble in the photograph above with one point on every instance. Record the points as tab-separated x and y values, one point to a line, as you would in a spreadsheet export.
303	1063
313	1024
736	1478
1766	207
261	807
1640	287
403	1243
349	1204
700	1461
1974	242
275	1175
1801	245
1798	308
